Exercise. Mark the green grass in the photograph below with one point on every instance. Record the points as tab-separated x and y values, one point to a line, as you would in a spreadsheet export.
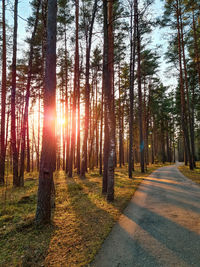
191	174
80	222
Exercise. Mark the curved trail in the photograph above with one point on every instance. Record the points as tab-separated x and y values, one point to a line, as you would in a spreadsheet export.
160	226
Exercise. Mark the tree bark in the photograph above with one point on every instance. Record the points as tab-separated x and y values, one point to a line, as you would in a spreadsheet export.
131	93
16	181
87	92
139	88
108	72
182	92
191	127
77	88
3	99
48	155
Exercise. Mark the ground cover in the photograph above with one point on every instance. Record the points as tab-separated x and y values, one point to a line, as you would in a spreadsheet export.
191	174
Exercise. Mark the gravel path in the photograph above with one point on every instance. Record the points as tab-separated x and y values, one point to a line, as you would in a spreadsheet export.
160	226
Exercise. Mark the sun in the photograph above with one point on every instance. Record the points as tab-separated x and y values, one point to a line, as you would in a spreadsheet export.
60	121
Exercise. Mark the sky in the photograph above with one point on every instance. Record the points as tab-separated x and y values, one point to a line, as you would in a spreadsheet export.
158	35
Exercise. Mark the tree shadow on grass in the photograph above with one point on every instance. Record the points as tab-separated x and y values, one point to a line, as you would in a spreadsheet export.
94	223
81	225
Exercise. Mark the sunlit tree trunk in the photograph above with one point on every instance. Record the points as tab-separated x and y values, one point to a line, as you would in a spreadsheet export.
87	93
66	110
101	136
3	99
48	155
131	90
108	72
97	124
184	119
28	167
38	133
120	121
16	181
191	127
77	73
196	48
104	87
139	87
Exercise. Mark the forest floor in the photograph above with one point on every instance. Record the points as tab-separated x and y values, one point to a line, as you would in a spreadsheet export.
81	220
159	227
194	174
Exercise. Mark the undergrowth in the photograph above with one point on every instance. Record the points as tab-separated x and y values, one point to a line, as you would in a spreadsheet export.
191	174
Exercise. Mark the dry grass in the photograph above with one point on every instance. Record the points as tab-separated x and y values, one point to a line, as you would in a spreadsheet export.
194	174
81	221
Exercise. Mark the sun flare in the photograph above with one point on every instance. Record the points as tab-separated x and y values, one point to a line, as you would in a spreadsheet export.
60	121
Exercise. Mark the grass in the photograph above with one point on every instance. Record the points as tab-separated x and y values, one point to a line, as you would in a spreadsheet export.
191	174
80	222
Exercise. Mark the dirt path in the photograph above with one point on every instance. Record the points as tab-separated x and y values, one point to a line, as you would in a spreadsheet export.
160	226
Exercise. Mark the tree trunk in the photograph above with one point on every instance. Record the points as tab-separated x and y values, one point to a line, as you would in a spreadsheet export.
87	92
78	88
182	92
3	100
139	89
28	167
108	72
131	93
16	181
120	122
48	155
196	49
101	135
66	109
191	127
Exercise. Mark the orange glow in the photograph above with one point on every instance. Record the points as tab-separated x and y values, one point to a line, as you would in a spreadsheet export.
60	121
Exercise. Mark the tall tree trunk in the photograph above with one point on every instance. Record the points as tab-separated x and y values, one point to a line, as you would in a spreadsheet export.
191	127
97	124
139	88
120	121
63	126
87	92
131	93
196	49
3	100
162	134
38	133
16	181
66	109
105	88
77	87
48	155
28	167
101	135
32	148
108	72
184	119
